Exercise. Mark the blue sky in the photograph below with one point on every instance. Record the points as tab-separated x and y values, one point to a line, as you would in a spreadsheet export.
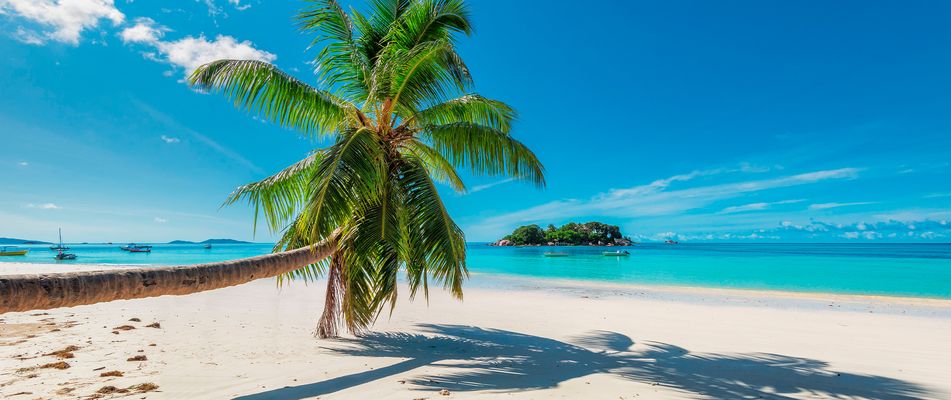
697	120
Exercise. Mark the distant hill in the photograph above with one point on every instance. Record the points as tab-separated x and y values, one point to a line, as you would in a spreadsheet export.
224	241
210	241
21	241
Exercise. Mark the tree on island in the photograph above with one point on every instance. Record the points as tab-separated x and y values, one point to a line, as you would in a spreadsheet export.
573	234
394	98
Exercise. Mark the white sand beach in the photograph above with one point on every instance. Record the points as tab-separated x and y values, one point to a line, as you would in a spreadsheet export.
559	341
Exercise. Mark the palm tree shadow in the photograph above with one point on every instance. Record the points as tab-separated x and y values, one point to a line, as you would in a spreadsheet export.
497	360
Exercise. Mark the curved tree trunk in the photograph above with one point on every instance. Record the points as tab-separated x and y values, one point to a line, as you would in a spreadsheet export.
40	292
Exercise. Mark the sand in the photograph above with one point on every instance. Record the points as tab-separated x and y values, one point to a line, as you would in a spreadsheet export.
536	340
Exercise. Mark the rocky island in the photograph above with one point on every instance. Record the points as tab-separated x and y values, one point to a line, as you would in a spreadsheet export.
570	234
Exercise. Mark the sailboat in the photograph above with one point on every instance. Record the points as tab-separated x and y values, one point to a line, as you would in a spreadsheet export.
62	255
60	246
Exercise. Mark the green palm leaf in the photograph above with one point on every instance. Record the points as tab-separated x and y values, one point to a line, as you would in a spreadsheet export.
485	151
280	195
261	88
472	108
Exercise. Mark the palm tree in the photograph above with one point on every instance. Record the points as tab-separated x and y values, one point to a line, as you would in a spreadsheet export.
395	99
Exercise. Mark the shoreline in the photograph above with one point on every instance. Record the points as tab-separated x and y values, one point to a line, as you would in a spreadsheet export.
735	291
543	283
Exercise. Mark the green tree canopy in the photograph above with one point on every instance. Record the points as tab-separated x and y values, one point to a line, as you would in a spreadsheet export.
594	233
395	98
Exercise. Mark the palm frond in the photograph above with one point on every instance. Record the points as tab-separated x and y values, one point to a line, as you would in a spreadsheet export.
431	20
472	108
440	169
440	239
263	89
485	151
339	64
279	196
349	173
425	74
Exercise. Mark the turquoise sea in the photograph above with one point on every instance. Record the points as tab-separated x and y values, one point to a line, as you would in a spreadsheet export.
922	270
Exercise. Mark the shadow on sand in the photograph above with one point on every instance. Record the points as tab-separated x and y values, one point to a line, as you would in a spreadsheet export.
496	360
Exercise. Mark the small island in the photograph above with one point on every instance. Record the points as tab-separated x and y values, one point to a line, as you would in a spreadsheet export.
21	241
210	241
570	234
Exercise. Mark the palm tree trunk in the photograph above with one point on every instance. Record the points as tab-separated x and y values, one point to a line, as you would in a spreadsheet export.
41	292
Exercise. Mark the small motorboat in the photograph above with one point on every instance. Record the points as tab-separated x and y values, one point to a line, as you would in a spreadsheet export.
131	247
618	253
670	241
13	251
140	249
207	246
555	254
64	256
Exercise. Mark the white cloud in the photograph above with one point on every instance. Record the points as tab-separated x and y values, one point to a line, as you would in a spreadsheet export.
145	30
64	20
190	52
651	200
170	140
238	6
479	188
160	220
44	206
215	10
29	36
867	235
23	163
756	206
824	206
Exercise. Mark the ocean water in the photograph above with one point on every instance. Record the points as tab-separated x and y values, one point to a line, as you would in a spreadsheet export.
921	270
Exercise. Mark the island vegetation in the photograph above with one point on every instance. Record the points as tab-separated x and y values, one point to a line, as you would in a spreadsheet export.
571	234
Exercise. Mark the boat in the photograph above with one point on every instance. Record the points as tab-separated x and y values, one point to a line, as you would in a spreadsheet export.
670	241
207	246
618	253
61	250
13	251
142	249
132	246
60	246
554	254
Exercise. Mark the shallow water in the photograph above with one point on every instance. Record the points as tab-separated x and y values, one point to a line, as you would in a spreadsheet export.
884	269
